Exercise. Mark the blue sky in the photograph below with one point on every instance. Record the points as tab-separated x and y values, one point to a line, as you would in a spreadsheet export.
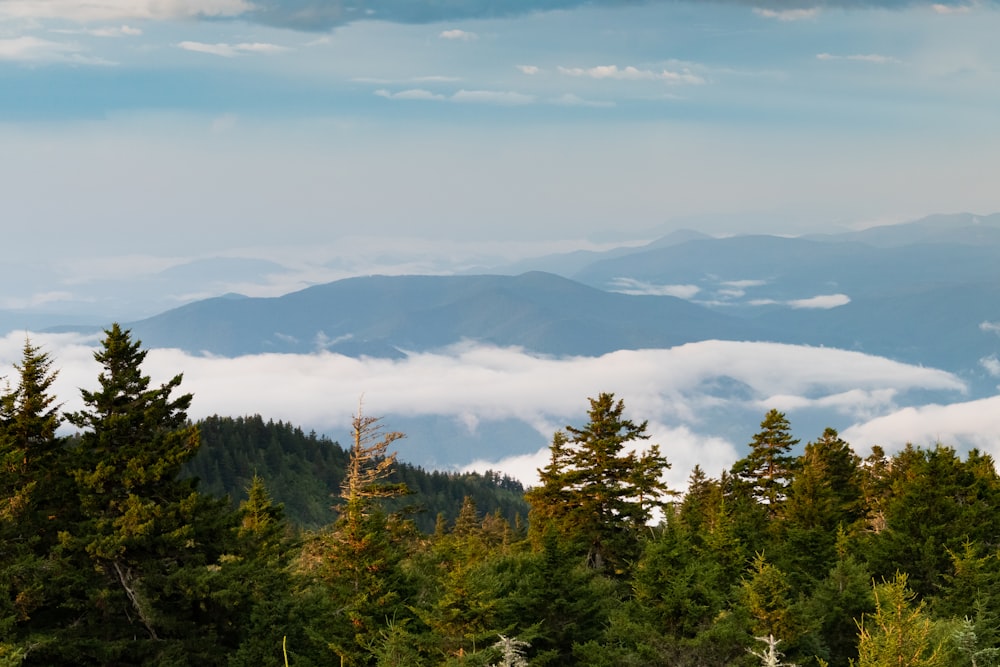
172	127
418	136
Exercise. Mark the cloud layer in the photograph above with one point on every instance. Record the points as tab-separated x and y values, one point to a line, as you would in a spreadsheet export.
323	15
685	392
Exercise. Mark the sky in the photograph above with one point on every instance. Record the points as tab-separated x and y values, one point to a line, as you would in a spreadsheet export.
171	128
342	138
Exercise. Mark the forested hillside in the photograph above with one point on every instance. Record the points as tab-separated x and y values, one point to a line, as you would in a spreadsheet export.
809	555
304	471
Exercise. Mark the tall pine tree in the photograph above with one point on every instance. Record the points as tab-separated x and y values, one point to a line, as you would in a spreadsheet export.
597	490
147	537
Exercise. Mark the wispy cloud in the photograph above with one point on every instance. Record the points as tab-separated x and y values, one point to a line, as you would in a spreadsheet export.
951	9
411	94
231	50
497	97
107	31
571	100
503	98
112	10
874	58
35	300
823	301
630	73
991	365
530	70
30	49
640	287
676	388
459	35
797	14
990	327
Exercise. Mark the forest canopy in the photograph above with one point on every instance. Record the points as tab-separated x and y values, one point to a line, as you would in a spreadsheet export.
147	539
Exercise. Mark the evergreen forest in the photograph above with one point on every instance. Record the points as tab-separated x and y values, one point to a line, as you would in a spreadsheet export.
149	539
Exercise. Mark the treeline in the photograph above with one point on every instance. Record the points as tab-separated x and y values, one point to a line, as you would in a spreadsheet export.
304	471
109	555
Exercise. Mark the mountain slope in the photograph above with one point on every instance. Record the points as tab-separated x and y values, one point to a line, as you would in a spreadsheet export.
382	316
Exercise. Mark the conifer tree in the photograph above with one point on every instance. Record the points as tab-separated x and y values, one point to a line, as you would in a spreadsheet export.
36	502
596	493
145	536
768	468
899	633
357	562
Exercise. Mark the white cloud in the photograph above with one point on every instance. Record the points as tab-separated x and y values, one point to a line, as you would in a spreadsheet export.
682	391
435	78
503	98
460	35
108	31
632	286
990	327
743	284
968	424
787	14
412	94
230	50
823	301
571	100
35	300
529	69
951	9
31	49
991	365
631	73
875	58
116	10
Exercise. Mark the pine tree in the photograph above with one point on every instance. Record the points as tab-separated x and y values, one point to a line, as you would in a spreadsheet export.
146	537
36	502
769	468
357	562
595	493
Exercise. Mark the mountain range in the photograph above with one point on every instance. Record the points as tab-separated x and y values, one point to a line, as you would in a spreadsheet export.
924	293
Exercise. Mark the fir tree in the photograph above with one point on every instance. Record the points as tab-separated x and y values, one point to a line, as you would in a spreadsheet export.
768	468
145	536
36	502
594	491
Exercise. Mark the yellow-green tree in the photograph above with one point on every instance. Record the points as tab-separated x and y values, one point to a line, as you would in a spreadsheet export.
899	633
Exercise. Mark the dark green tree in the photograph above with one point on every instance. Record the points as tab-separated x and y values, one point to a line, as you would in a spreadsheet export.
769	467
37	500
145	537
595	492
824	496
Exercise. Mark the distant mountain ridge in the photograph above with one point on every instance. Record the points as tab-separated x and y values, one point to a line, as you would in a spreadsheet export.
388	315
923	292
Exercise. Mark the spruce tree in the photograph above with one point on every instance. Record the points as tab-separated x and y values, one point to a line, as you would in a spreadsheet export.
768	468
36	502
357	562
146	538
597	493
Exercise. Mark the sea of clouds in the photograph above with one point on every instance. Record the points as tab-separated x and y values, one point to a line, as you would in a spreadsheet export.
703	401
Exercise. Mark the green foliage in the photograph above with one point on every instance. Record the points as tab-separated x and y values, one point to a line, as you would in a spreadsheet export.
769	467
110	555
303	471
899	633
595	493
